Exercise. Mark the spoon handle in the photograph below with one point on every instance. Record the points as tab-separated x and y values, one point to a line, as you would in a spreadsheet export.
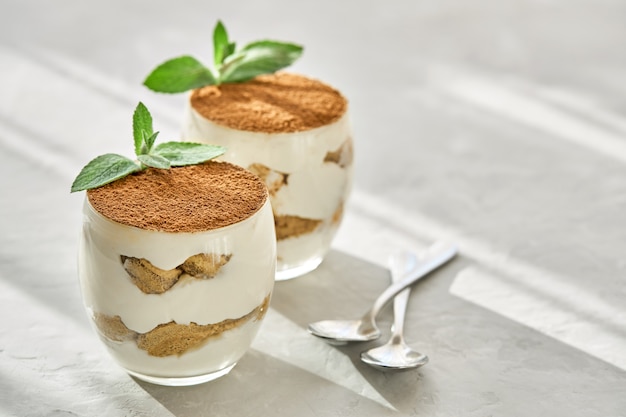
400	265
434	257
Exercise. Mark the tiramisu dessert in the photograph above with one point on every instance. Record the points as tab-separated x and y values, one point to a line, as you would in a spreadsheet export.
290	130
176	264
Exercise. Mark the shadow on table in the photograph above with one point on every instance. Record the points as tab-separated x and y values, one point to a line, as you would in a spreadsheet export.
317	379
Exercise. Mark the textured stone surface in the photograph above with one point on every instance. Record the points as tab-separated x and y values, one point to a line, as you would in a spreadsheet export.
500	125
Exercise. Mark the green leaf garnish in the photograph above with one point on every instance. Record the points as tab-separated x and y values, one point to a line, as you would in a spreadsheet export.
154	161
178	75
262	57
148	141
103	170
188	153
107	168
222	47
230	66
142	125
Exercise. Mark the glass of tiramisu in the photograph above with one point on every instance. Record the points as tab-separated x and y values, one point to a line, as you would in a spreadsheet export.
294	133
177	267
290	130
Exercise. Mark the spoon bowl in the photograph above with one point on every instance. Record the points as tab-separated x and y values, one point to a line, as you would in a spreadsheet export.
393	356
340	332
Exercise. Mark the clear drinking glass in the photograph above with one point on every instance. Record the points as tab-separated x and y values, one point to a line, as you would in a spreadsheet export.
308	172
177	308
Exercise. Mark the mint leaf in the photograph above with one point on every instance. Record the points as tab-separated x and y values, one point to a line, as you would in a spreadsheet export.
178	75
142	122
220	43
103	170
188	153
229	50
149	141
256	58
154	161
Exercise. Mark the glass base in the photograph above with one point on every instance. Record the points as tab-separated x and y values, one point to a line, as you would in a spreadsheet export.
184	381
293	271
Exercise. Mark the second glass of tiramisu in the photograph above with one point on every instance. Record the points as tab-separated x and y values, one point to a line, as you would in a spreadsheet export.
290	130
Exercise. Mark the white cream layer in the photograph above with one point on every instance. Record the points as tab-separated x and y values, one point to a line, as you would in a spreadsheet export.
240	286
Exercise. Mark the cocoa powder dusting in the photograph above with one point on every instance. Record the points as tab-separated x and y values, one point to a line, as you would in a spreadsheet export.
182	199
273	103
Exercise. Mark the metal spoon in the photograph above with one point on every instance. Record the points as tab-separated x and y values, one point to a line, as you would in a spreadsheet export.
396	354
364	329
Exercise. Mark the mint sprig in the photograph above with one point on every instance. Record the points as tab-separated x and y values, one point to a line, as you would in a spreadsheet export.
230	65
109	167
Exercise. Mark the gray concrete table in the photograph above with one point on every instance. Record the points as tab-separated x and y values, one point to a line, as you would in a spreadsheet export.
499	125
